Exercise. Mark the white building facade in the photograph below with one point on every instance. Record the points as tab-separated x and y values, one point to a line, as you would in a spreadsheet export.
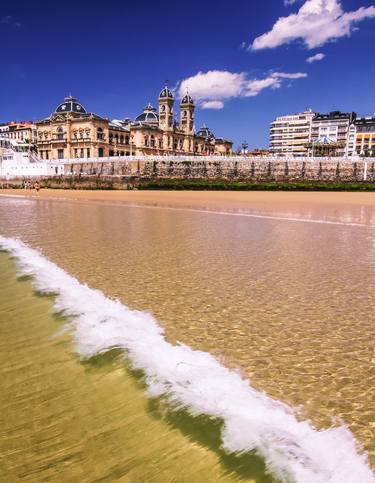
290	134
335	126
18	161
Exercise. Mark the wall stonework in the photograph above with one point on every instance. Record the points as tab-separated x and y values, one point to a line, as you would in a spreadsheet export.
257	170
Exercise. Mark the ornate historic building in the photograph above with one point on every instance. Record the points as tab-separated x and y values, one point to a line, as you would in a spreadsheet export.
71	132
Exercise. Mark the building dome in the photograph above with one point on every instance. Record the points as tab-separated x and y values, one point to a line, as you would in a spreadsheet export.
148	116
166	93
204	132
70	104
187	99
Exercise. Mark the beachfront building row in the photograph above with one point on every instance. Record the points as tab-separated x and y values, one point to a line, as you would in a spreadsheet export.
72	132
313	134
24	131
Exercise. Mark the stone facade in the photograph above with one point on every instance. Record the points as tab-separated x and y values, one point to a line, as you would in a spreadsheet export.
71	132
241	170
74	133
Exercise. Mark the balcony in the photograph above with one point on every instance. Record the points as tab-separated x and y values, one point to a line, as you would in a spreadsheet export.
80	140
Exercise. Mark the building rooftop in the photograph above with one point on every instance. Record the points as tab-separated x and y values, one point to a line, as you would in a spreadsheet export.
187	99
334	115
166	93
205	133
148	116
70	104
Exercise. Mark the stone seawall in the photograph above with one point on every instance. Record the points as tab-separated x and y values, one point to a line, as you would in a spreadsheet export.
261	170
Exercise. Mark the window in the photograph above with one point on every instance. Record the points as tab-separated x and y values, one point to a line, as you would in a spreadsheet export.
88	152
60	133
60	154
100	134
100	152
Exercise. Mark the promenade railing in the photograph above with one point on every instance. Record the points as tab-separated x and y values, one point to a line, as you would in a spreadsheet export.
223	159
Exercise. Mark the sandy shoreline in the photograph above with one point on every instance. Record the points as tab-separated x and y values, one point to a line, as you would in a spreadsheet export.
206	199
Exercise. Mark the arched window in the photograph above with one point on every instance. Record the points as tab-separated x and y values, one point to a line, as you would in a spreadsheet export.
126	139
100	134
122	139
152	143
146	140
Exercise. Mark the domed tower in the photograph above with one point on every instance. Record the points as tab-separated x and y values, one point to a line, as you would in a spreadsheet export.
187	114
166	102
148	116
70	105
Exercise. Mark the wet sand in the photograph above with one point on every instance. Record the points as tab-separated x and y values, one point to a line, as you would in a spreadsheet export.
234	198
207	199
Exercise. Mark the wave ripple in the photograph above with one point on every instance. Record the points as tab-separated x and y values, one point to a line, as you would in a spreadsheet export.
252	421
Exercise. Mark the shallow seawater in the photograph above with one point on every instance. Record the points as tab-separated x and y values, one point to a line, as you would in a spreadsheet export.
65	419
289	304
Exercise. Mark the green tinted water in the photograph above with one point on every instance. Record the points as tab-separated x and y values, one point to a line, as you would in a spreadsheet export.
62	419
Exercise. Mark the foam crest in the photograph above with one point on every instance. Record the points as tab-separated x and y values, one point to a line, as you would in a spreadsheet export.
293	450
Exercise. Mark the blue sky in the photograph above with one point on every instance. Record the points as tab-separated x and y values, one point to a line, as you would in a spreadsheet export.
245	62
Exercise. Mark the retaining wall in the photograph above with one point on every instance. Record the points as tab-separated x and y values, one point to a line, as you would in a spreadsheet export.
257	170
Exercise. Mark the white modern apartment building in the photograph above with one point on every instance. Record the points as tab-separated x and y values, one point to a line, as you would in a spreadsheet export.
290	134
335	126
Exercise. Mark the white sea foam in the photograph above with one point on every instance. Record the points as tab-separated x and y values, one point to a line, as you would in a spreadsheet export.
293	450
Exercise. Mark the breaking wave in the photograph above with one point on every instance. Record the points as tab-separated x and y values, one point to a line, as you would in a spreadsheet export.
252	421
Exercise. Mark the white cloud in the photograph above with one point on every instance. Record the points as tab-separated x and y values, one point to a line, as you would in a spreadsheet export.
212	105
315	58
286	75
211	89
213	85
316	22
